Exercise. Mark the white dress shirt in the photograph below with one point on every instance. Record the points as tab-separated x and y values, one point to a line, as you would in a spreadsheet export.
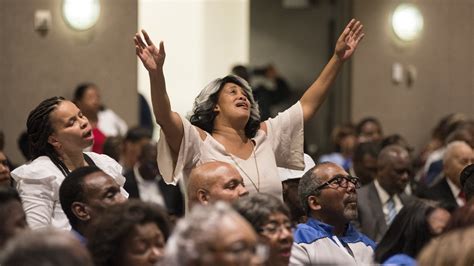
148	189
384	197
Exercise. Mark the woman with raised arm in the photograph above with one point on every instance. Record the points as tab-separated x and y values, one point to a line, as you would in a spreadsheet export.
225	122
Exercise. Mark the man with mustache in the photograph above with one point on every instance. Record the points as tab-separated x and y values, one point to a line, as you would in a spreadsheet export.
329	198
382	199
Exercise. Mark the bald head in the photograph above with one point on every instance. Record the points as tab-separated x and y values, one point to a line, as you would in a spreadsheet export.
458	155
214	181
393	169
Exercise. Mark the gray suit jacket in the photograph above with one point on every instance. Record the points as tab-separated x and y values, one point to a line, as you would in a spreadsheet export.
371	219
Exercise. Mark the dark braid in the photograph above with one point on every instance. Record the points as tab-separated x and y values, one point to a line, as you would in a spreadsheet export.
39	129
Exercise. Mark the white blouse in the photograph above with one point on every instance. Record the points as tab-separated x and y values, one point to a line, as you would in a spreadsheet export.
38	184
281	146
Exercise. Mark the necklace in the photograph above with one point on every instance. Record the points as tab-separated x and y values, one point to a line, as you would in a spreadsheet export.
257	186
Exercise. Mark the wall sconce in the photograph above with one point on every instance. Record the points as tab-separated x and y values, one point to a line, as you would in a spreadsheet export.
407	22
81	14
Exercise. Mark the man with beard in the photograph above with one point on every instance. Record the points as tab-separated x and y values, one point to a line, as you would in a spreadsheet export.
329	198
382	199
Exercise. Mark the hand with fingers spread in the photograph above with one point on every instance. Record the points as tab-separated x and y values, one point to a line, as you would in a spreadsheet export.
151	57
349	39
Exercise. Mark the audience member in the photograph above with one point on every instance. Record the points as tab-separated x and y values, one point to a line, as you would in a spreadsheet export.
84	195
383	198
369	129
132	146
133	233
467	181
46	247
417	223
344	139
225	123
364	162
13	219
214	234
145	182
113	147
5	177
105	123
270	218
145	118
328	195
214	181
58	132
24	146
453	248
448	190
290	180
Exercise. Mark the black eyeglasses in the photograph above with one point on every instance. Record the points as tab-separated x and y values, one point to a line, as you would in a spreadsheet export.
340	181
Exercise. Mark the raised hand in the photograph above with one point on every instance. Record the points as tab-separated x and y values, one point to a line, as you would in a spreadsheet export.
151	57
349	39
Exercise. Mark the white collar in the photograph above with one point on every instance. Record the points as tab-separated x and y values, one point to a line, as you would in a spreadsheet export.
383	195
454	189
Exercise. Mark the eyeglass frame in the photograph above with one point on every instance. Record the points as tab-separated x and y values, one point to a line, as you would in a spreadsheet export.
278	228
347	178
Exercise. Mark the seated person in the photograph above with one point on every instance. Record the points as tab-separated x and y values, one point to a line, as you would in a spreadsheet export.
144	182
328	195
13	218
213	234
213	181
133	233
5	178
45	247
84	195
344	140
467	181
270	218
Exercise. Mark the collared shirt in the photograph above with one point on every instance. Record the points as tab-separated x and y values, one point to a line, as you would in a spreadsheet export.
315	243
455	190
148	189
385	197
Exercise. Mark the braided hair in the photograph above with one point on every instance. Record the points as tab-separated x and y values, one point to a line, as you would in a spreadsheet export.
39	128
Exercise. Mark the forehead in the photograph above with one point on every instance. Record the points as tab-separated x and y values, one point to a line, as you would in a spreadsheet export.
327	171
224	173
462	151
64	111
99	181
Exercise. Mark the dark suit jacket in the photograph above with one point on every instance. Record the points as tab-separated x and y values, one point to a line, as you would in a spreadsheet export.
371	219
440	192
171	194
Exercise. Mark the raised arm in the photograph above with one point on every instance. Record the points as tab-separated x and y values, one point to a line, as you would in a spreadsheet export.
345	47
153	60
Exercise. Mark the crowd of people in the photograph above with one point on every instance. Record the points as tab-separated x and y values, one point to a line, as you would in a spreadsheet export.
230	185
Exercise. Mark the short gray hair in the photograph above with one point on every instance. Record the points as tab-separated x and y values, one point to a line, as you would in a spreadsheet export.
308	184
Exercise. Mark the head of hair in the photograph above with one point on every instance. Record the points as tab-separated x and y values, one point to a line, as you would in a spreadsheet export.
241	71
461	217
45	247
81	89
467	181
366	120
341	132
370	148
39	128
308	184
395	139
451	148
447	125
452	248
7	194
464	132
109	232
23	145
194	234
72	190
112	147
203	113
136	134
258	208
388	153
408	233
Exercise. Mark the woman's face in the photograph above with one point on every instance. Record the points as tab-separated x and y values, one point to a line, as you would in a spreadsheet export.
233	102
370	131
71	129
143	246
90	102
278	234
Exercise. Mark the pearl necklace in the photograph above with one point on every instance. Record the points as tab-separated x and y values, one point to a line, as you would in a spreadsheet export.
257	186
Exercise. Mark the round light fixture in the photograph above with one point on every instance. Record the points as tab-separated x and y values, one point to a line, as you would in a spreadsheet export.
81	14
407	22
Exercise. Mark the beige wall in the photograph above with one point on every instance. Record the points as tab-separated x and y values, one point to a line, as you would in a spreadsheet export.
443	59
34	67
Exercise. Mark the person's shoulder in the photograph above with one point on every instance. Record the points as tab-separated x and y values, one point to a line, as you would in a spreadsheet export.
367	240
40	168
307	234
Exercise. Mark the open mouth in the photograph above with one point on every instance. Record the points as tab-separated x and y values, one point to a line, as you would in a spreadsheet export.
285	251
243	105
87	134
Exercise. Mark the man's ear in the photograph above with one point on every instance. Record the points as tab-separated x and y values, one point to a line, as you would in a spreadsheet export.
80	210
313	203
203	196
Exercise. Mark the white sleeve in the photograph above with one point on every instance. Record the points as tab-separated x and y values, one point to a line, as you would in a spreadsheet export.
110	167
299	255
37	196
188	155
286	133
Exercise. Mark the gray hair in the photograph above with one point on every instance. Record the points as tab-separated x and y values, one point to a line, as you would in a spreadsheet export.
194	233
308	184
203	113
